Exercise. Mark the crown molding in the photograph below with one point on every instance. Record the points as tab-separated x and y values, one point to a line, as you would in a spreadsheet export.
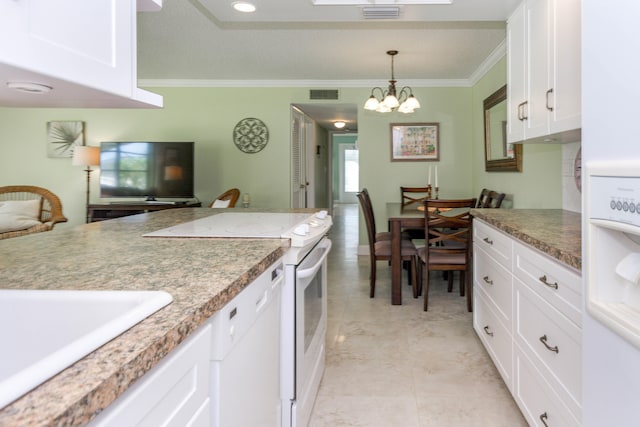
147	83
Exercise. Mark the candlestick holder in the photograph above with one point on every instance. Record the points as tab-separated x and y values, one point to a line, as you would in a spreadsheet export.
437	188
428	191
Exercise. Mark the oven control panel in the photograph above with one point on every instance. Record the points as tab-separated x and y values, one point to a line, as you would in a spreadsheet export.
615	198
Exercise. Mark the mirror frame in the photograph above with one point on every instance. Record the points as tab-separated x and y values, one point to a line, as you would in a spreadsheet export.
499	165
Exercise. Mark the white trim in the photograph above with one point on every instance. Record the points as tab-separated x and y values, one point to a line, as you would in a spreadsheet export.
299	83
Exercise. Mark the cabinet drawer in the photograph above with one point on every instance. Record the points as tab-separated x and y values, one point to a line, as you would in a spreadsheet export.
496	338
496	283
563	288
536	398
496	243
553	342
175	392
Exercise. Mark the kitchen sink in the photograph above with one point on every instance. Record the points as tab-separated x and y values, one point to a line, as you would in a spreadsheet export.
45	331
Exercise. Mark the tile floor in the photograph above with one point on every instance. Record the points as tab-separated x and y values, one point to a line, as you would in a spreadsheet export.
397	365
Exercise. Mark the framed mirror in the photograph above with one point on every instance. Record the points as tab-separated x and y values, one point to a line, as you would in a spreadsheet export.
499	156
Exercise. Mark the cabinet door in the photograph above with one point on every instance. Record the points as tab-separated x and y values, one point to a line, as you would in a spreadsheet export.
537	123
86	42
516	75
565	65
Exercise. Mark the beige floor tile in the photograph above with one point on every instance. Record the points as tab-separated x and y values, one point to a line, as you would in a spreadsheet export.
399	365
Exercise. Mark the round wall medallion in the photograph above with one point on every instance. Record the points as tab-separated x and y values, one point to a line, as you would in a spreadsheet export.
250	135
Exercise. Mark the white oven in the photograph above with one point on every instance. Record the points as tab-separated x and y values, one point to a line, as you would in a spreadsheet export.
303	312
304	327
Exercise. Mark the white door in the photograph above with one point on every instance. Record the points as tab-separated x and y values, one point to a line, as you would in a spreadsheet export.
348	173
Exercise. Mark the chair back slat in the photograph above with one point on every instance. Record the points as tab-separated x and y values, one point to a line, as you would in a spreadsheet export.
411	195
490	199
367	212
448	229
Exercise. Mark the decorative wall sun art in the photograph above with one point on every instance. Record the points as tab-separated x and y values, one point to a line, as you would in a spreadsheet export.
63	136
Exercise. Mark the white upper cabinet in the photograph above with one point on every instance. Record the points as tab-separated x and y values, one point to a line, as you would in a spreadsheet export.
85	51
543	72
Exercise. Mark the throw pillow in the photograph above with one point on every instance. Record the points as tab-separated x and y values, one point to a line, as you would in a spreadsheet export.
19	214
221	203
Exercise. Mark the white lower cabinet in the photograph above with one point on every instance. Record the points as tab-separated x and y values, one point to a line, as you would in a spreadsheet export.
527	314
175	392
495	337
225	374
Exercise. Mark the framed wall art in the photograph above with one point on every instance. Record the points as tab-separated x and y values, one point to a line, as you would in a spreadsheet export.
413	142
63	136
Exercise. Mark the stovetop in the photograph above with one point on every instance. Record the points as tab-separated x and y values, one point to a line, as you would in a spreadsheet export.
301	228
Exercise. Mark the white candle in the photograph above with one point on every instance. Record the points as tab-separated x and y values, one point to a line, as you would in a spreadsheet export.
436	176
429	182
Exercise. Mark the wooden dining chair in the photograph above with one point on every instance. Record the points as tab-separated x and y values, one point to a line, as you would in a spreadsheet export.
380	235
380	249
448	248
413	195
489	199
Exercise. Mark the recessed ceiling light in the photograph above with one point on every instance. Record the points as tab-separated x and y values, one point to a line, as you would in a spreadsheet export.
243	6
29	87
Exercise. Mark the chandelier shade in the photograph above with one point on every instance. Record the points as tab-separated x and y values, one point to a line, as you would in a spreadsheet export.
391	100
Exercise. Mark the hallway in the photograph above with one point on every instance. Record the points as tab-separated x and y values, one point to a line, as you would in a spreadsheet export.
399	366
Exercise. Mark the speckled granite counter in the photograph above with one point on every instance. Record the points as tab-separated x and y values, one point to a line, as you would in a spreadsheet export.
200	274
555	232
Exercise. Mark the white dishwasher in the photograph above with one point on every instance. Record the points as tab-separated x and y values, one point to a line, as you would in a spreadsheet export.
245	355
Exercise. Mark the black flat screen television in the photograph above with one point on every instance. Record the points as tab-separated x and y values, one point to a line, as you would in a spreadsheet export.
146	169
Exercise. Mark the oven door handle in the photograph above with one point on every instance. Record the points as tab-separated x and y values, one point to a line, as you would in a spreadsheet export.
324	245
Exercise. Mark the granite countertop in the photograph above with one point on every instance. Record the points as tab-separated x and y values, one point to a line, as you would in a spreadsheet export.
201	274
554	232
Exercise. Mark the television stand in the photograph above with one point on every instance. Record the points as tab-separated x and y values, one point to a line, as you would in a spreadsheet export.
104	211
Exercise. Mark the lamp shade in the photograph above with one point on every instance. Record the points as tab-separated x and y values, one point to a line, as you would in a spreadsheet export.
86	156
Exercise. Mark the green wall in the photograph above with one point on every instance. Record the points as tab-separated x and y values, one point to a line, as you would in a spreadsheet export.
208	115
539	185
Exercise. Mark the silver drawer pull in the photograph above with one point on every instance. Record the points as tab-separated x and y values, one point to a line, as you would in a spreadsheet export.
487	280
487	331
545	281
543	418
543	340
486	239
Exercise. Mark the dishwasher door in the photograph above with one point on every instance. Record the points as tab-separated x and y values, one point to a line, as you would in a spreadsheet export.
245	361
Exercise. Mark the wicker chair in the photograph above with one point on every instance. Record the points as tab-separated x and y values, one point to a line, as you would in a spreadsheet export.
50	207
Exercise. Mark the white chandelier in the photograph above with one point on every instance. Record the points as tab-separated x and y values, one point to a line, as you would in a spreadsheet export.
390	100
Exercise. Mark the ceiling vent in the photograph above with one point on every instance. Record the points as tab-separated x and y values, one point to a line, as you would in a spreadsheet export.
381	12
323	94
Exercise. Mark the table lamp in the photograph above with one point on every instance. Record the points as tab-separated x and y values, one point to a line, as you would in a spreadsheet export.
86	156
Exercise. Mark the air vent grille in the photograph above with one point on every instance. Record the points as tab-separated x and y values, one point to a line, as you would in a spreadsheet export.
323	94
381	12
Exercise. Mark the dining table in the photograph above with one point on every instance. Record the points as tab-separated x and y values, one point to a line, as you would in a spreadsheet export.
400	217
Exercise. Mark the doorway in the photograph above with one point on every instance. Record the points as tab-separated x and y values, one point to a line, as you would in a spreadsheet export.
348	170
316	168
